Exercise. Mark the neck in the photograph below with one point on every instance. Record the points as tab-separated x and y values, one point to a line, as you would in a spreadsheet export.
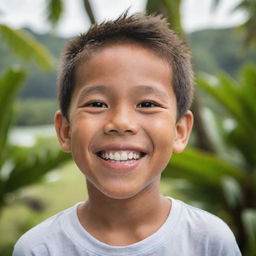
142	214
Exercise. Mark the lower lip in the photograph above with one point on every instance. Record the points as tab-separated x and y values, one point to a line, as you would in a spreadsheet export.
120	165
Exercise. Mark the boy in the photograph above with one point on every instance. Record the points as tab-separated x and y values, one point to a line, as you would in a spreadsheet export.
125	88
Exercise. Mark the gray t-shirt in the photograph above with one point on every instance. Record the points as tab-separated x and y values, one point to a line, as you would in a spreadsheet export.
188	231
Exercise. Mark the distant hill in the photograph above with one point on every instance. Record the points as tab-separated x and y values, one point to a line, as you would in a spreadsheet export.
217	50
40	84
213	50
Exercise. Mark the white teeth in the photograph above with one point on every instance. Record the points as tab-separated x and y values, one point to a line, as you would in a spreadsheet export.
130	155
111	156
117	156
122	155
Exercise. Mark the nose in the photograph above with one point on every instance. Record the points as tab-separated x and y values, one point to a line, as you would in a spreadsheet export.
122	121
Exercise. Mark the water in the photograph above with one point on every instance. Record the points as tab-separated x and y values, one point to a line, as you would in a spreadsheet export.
26	136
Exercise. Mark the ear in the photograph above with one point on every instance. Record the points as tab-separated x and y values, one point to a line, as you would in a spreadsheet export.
62	128
183	130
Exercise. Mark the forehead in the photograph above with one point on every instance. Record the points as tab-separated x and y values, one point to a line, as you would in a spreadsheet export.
124	64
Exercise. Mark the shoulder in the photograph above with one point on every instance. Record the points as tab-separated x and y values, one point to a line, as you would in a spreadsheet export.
201	219
35	240
209	229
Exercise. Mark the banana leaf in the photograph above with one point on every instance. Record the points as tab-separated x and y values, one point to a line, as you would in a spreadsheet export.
26	47
10	83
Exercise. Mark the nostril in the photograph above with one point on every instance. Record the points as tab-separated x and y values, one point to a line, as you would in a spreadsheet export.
119	131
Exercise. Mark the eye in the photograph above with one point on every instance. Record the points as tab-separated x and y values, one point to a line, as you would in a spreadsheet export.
96	104
147	104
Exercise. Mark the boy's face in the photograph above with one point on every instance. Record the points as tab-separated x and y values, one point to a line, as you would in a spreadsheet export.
123	107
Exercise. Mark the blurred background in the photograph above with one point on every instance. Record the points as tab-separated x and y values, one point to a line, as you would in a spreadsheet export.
218	170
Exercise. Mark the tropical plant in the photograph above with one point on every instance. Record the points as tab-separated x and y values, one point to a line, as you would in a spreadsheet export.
25	46
21	166
249	26
225	182
222	177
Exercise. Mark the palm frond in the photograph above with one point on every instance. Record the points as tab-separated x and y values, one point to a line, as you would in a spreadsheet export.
228	95
10	82
55	10
201	168
29	165
25	46
249	221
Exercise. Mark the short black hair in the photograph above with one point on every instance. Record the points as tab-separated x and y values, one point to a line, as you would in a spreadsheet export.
150	31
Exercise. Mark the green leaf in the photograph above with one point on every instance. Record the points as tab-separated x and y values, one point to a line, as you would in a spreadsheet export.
232	191
25	46
174	15
248	91
228	95
29	165
154	6
170	9
249	221
55	10
10	82
201	168
244	143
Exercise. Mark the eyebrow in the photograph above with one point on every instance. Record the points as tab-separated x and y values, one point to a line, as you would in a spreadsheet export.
147	89
92	90
140	89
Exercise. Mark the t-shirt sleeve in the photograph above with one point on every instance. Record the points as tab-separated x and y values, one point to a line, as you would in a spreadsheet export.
24	247
223	241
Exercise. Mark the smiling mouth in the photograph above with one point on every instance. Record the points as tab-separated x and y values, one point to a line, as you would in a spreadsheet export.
120	156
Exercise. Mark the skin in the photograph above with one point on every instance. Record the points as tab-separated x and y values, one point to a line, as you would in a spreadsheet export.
137	107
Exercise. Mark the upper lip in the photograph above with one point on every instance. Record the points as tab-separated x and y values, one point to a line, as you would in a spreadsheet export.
120	147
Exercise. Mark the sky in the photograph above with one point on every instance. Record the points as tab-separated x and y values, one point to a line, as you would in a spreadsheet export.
196	14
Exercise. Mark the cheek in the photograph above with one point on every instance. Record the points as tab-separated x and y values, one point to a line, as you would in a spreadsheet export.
83	130
82	133
162	133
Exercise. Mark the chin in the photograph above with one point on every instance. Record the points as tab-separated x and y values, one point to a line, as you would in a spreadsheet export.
119	193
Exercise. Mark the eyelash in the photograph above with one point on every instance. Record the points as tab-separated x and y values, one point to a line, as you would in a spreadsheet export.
150	102
98	104
95	102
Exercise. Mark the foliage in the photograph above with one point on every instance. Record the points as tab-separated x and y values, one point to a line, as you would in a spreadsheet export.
249	6
226	182
39	83
25	166
171	10
25	46
15	77
55	9
19	166
249	26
